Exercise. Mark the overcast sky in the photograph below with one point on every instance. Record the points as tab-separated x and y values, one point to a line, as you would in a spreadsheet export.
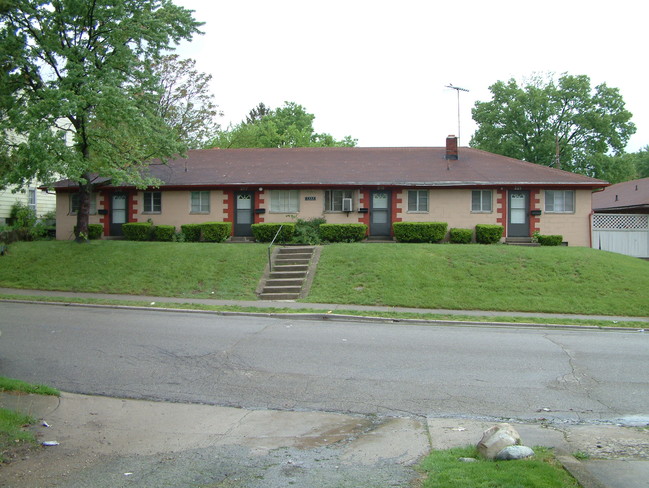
377	70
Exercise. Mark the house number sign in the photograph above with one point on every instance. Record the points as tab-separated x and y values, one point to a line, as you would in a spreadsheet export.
308	199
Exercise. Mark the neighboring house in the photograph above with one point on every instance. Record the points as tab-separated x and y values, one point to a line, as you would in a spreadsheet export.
36	199
621	218
374	186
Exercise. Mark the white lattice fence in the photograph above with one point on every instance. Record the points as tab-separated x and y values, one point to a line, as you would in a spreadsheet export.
622	233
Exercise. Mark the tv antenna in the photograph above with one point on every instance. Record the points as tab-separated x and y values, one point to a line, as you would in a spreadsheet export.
458	90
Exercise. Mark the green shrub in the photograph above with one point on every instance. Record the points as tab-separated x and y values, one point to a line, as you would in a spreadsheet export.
488	234
266	232
308	231
215	231
22	216
555	240
95	231
192	232
137	231
342	232
460	236
164	232
419	231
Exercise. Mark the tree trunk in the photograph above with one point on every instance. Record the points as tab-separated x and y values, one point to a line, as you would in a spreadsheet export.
83	214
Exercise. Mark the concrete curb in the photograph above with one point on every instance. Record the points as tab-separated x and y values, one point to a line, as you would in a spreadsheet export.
577	470
332	316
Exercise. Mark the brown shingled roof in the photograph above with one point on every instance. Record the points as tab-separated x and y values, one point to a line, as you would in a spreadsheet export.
625	195
358	166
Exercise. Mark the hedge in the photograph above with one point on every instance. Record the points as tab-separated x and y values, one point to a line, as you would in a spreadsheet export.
266	232
419	231
215	231
343	232
460	236
488	234
192	232
95	231
137	231
164	232
555	240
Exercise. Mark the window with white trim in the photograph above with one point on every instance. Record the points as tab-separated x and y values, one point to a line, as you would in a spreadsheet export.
74	204
284	201
200	202
31	199
560	201
417	200
481	201
152	202
334	199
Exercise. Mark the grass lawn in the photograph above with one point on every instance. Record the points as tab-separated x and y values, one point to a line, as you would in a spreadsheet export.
137	268
460	277
12	433
478	277
443	470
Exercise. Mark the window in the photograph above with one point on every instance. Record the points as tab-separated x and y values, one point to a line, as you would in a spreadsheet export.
334	199
417	200
481	201
560	201
284	201
74	204
152	202
31	199
200	202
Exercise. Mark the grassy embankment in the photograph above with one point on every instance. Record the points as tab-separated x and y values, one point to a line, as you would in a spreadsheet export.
461	277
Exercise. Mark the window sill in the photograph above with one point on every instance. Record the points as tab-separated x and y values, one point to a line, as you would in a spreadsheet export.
418	211
151	213
558	213
199	213
482	212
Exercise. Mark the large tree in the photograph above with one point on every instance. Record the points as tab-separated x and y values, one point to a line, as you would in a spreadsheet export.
186	102
287	126
562	123
78	96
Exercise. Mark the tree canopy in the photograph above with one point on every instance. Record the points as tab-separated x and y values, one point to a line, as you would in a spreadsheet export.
78	96
186	102
287	126
562	123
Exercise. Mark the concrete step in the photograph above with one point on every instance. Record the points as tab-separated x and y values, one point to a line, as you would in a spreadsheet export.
285	282
295	255
279	296
290	267
282	289
295	250
290	261
287	274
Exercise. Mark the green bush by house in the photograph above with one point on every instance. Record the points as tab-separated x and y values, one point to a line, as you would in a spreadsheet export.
215	231
164	233
94	231
552	240
460	236
342	232
266	232
192	232
419	231
488	234
137	231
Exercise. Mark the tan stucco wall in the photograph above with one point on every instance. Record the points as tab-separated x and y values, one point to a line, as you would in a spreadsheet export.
309	209
450	206
176	206
65	221
574	227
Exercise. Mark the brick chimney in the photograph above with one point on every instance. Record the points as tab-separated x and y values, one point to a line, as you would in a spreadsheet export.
451	147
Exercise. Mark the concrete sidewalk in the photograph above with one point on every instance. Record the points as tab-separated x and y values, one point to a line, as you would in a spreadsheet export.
327	307
93	431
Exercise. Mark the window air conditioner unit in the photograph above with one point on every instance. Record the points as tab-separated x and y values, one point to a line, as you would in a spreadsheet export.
347	205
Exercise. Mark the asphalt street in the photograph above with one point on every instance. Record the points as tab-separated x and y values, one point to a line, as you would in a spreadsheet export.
293	364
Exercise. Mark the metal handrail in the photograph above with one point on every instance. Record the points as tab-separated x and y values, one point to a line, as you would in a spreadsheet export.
270	264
